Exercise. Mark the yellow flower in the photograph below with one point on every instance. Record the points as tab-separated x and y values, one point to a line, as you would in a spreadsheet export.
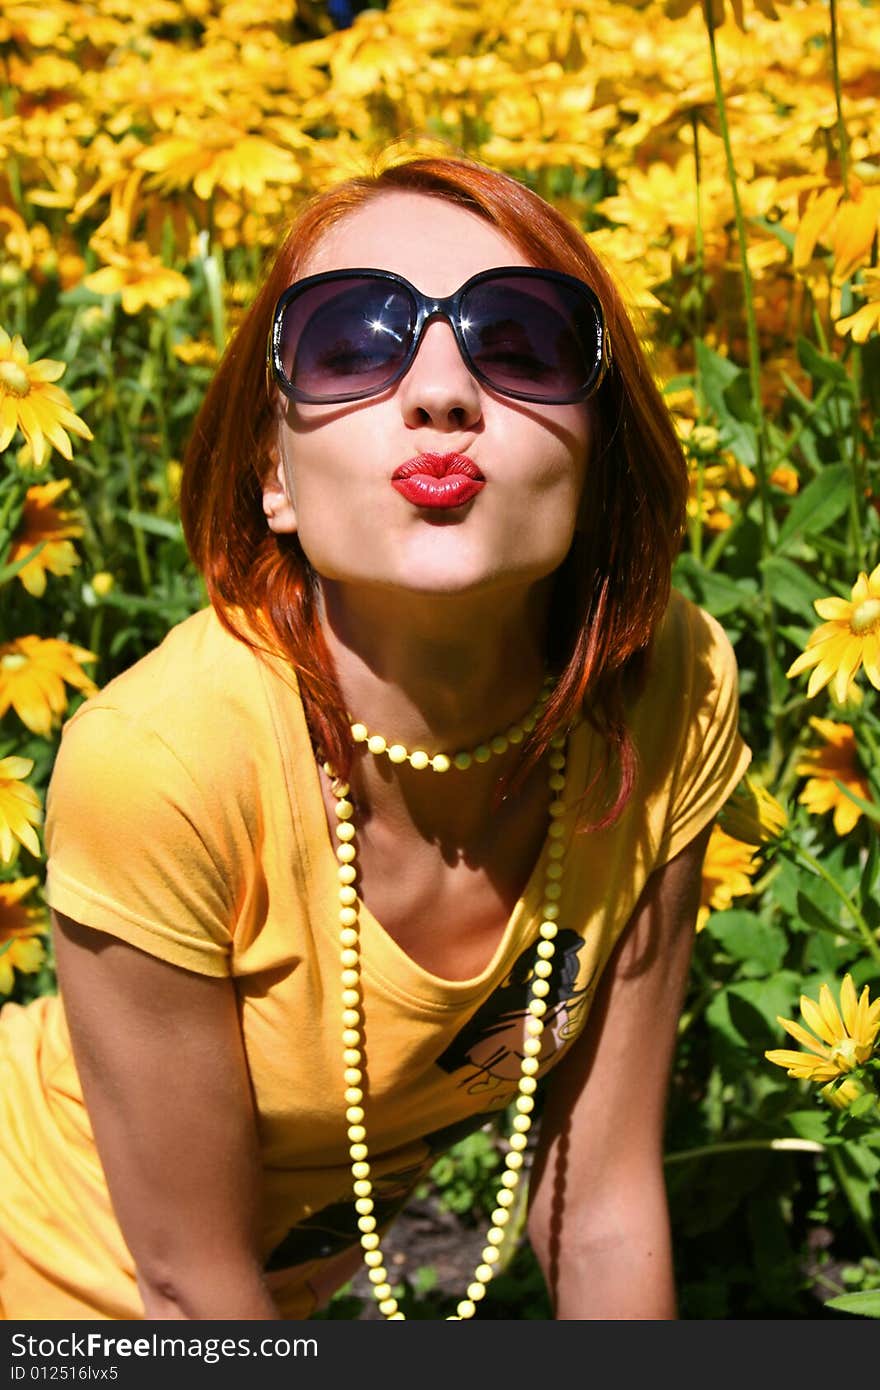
848	639
20	809
843	1039
837	761
728	870
867	317
752	814
217	155
138	275
20	927
30	403
676	8
32	675
43	523
847	226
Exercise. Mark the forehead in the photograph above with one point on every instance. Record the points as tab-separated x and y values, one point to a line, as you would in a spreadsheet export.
434	243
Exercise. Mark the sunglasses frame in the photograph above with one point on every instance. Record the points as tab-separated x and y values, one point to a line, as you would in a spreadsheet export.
427	309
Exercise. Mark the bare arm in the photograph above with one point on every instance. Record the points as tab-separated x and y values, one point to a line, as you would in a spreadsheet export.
161	1059
599	1220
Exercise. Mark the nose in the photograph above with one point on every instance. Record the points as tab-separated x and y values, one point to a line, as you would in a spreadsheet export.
439	389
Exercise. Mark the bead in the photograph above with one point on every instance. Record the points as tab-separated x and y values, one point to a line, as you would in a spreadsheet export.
551	891
490	1255
529	1067
367	1224
518	1142
363	1187
347	916
504	1199
349	958
379	1274
352	1058
548	929
483	1273
514	1160
397	753
345	831
510	1178
532	1047
521	1123
361	1170
555	849
500	1215
350	978
534	1027
397	1316
558	739
370	1242
350	1001
556	782
376	743
540	988
350	1019
344	810
499	744
351	1037
419	759
554	871
476	1291
527	1085
345	853
382	1292
556	830
466	1308
537	1007
515	734
346	873
543	969
364	1206
348	939
529	723
358	1152
556	760
359	733
556	808
386	1305
356	1134
347	896
482	753
494	1235
354	1114
462	761
441	763
524	1104
546	950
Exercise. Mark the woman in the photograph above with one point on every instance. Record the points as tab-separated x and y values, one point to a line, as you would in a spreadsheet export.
409	819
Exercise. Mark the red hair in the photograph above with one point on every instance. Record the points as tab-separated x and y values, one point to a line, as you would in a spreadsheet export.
613	587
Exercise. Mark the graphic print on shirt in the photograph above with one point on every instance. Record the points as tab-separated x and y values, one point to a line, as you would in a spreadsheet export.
489	1046
487	1052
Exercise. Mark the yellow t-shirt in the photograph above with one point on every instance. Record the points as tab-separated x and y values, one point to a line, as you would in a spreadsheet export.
185	816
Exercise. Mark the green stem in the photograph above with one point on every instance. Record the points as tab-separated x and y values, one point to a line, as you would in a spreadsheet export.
810	1146
842	142
774	679
133	499
867	935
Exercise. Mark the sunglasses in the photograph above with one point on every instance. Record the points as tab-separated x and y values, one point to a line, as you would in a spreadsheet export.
535	335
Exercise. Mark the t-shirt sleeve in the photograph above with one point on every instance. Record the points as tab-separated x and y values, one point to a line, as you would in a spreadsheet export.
131	848
712	755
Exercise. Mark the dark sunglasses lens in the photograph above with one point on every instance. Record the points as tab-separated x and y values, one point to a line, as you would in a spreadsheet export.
531	336
345	337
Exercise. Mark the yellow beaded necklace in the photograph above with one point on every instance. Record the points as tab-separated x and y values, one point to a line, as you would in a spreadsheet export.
352	1017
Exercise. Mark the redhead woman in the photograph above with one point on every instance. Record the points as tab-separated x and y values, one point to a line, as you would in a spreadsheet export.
406	827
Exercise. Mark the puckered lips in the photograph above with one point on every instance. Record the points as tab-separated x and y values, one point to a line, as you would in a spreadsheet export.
438	480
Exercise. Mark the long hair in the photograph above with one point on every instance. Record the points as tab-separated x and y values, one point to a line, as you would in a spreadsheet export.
611	590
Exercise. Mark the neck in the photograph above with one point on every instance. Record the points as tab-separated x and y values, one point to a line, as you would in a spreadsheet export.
436	672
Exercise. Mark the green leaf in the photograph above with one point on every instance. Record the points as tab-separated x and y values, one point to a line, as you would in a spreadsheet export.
726	390
745	937
766	999
714	592
810	1124
820	366
821	502
791	587
865	1304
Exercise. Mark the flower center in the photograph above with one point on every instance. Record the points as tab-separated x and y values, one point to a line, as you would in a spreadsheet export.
864	618
17	382
844	1054
13	661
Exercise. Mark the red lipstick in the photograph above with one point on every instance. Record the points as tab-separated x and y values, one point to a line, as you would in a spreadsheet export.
438	480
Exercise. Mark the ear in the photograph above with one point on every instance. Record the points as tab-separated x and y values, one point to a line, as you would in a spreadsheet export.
277	503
